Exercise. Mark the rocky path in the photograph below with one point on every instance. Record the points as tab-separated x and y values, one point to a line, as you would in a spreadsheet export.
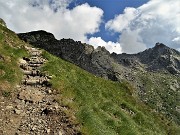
33	110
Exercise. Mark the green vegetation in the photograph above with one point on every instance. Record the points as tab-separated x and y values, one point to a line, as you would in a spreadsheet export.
102	106
162	93
10	51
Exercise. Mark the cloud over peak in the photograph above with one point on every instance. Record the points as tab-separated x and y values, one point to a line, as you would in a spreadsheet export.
140	28
110	46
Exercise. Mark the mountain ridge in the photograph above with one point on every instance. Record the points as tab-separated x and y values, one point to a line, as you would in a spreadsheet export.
97	105
151	72
73	51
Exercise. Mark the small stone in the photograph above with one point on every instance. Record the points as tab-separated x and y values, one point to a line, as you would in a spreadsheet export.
16	111
48	131
56	106
18	106
60	133
9	107
49	91
18	86
33	128
17	101
11	121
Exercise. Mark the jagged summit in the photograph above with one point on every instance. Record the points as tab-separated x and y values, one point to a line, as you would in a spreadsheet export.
161	57
36	36
99	61
161	49
96	61
158	58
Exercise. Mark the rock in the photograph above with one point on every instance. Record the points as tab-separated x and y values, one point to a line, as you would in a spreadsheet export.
172	88
33	128
48	131
16	111
9	107
60	133
96	61
31	95
49	91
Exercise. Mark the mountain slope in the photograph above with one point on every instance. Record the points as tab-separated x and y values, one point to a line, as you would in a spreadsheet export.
96	61
153	73
11	49
100	106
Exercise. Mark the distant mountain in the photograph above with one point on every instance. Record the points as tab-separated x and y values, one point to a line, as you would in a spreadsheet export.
158	58
154	73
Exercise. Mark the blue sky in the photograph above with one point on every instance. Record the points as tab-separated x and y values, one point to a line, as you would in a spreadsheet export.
128	26
111	8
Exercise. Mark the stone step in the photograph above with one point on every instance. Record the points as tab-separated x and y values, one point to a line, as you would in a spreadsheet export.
25	67
36	62
36	82
35	53
31	82
32	72
34	65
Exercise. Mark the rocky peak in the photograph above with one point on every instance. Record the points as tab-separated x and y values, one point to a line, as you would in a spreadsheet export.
162	49
36	36
102	49
161	57
158	58
96	61
99	61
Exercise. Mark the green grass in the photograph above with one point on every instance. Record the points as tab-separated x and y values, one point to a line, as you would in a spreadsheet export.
10	51
102	106
159	94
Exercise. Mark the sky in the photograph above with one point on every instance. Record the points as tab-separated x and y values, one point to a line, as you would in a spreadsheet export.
122	26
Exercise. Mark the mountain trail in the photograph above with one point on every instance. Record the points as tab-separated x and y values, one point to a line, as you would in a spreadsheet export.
33	109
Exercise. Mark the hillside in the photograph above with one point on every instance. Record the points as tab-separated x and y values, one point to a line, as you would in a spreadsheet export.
98	106
153	73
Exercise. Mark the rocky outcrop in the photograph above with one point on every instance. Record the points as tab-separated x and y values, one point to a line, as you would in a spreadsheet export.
96	61
158	58
100	62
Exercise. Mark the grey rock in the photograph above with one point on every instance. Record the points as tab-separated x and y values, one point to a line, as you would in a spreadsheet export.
9	107
16	111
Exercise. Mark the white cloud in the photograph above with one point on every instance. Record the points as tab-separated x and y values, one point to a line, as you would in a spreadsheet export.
122	21
177	39
140	28
52	16
110	46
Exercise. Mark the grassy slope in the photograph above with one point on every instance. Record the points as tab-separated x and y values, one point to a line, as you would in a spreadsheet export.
101	106
10	51
160	95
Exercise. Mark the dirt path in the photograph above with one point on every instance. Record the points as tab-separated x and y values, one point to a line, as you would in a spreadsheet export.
33	110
